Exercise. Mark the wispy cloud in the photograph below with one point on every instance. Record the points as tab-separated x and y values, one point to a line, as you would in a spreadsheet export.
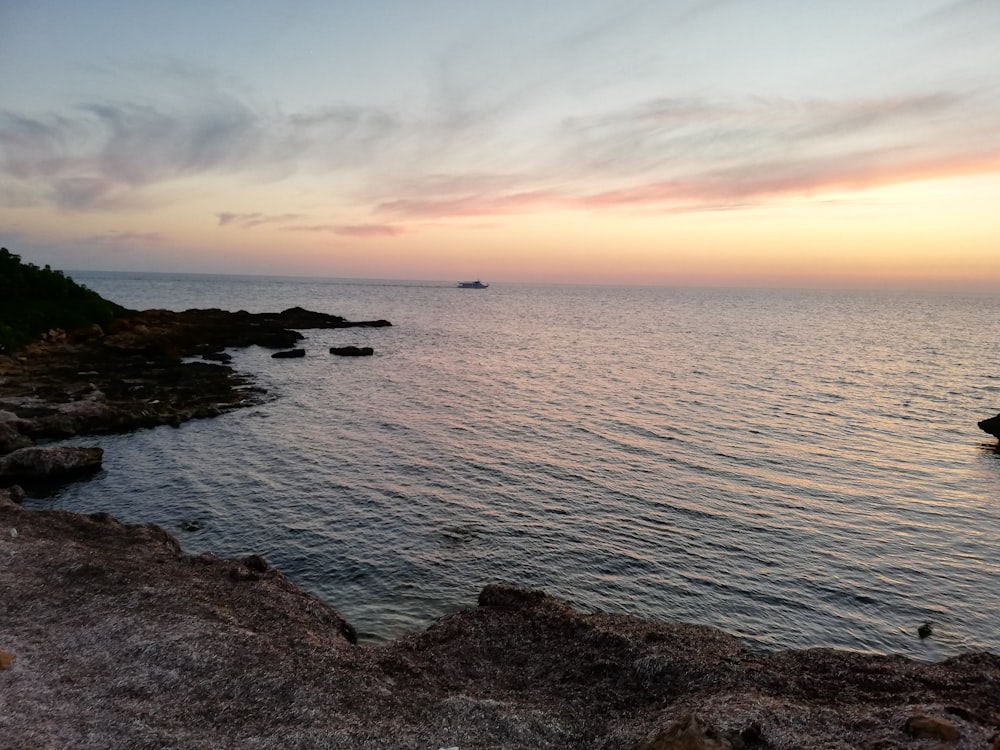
125	238
363	231
255	219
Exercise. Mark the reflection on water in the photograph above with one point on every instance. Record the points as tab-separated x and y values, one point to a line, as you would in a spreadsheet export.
799	468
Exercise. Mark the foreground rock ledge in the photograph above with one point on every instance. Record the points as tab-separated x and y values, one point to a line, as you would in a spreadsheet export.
116	639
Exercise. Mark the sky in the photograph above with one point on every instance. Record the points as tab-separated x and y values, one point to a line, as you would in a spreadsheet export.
676	142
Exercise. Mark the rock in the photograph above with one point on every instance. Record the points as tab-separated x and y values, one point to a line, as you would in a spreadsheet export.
991	425
931	727
10	436
93	331
6	659
925	631
289	354
13	494
352	351
686	733
996	742
46	464
510	597
217	357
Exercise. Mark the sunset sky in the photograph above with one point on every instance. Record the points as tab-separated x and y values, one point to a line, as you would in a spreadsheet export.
763	143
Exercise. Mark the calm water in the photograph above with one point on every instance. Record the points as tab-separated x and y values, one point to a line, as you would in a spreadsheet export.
798	468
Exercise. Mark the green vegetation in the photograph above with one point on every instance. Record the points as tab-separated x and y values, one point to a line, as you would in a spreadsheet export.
34	300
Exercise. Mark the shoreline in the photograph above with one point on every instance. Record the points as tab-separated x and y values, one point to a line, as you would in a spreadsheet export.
116	638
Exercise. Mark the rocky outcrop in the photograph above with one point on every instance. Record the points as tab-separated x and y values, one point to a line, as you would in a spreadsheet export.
352	351
38	465
991	426
139	372
289	354
118	639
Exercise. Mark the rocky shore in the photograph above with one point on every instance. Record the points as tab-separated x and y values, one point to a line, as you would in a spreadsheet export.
152	368
112	637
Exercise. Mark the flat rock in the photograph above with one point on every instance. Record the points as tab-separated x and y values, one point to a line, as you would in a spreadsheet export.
289	354
47	464
352	351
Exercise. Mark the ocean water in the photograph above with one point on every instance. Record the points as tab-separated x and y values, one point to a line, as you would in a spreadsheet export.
799	468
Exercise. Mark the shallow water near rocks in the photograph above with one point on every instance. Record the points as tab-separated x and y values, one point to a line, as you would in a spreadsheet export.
799	468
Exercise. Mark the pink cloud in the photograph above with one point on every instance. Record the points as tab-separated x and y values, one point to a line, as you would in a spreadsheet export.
255	219
352	230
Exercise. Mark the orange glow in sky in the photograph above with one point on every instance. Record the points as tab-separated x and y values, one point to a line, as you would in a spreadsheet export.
683	142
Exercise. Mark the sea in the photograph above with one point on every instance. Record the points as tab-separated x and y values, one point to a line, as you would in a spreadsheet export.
799	468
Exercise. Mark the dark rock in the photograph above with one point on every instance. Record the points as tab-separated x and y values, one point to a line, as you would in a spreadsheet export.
190	524
48	464
136	376
13	494
925	631
256	563
686	733
217	357
931	727
991	426
289	354
352	351
511	597
10	436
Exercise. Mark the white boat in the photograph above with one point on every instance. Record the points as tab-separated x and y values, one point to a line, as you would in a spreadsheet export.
472	285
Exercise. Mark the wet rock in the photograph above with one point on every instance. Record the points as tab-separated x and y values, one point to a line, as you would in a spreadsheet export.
931	727
47	464
12	495
925	631
138	374
686	733
289	354
352	351
11	437
991	426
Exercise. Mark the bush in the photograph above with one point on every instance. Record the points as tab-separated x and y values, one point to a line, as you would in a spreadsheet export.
34	300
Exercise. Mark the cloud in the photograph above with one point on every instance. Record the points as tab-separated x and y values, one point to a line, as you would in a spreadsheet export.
126	238
256	219
104	155
691	154
363	231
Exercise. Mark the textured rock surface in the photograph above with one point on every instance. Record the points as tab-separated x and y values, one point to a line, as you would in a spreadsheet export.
137	374
120	641
43	464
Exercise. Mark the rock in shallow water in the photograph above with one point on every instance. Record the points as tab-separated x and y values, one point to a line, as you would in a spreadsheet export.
57	463
352	351
991	425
